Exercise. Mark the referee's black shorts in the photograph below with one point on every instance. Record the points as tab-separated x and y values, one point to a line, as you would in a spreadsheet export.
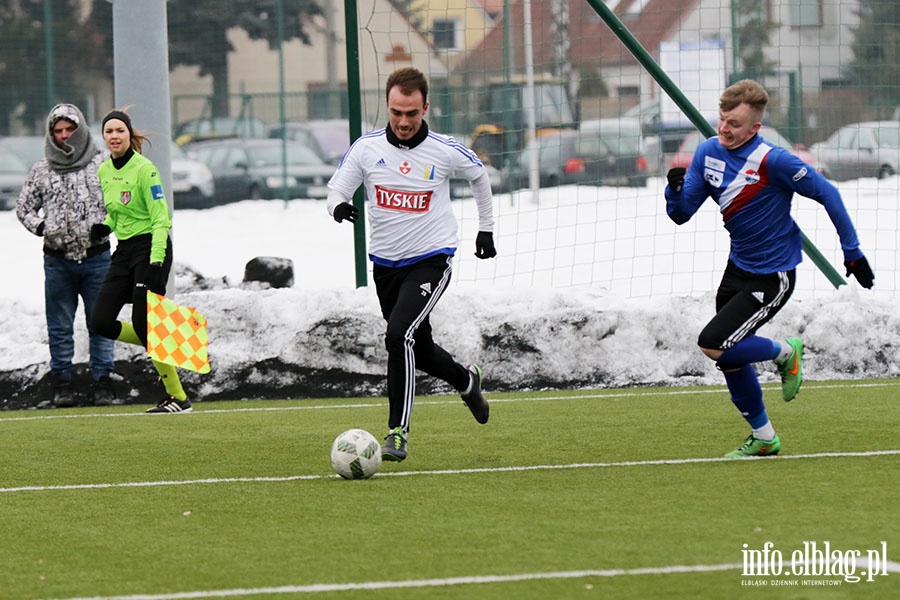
745	302
124	284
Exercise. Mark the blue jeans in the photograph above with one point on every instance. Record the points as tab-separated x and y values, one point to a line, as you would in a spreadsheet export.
64	281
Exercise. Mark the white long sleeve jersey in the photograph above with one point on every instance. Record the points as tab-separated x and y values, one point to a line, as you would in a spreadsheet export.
408	194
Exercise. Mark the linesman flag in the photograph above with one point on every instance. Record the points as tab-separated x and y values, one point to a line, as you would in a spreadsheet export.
176	335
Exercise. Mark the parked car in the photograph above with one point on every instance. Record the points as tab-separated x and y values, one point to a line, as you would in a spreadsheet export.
553	151
608	152
604	152
13	172
689	144
329	138
664	137
30	148
193	185
870	149
218	127
246	168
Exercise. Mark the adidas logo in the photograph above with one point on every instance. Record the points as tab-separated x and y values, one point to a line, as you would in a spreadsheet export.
426	288
760	297
381	163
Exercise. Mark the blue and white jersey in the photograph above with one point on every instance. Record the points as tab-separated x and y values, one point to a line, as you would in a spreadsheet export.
753	186
408	194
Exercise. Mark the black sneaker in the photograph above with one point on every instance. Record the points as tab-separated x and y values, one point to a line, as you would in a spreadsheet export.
102	393
63	394
394	447
171	405
473	398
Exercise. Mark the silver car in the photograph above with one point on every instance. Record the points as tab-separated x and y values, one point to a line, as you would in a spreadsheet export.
13	172
192	181
870	149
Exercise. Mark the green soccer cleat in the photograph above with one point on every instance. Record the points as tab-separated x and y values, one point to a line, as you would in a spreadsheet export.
792	370
394	446
756	447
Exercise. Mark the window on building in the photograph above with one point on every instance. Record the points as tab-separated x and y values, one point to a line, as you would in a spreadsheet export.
634	10
444	34
806	13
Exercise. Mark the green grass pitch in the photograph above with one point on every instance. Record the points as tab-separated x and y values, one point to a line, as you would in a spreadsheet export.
563	494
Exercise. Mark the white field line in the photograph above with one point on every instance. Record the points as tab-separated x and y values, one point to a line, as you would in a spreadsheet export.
603	465
641	392
890	566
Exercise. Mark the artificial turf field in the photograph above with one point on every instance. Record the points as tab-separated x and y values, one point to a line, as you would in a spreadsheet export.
563	494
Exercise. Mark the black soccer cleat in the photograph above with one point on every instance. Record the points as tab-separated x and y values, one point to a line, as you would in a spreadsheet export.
473	397
171	405
394	446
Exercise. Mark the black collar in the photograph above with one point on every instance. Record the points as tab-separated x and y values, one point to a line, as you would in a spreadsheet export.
120	162
411	143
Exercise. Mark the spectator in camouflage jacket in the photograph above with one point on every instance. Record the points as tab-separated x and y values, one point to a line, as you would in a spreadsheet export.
59	202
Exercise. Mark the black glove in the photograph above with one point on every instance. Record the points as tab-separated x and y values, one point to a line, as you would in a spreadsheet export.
676	178
860	269
99	231
484	245
347	211
157	278
40	230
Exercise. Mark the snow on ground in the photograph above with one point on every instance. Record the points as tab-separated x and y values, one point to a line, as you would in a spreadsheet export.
592	287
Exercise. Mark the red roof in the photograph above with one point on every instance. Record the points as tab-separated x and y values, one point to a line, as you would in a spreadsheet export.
593	43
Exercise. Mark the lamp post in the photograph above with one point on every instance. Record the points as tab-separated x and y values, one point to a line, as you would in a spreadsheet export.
48	45
281	108
735	41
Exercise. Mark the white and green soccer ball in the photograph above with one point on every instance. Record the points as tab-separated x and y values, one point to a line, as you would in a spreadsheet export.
356	454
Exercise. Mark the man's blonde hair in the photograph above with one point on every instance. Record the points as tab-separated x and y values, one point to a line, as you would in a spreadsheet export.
745	91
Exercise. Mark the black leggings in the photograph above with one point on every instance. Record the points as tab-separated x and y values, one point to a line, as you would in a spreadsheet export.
407	295
125	284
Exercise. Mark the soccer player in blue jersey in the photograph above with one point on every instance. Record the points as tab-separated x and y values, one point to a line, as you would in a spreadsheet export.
753	183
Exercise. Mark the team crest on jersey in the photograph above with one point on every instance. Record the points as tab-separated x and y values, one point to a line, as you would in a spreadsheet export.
125	197
429	172
751	176
714	171
405	168
713	177
418	202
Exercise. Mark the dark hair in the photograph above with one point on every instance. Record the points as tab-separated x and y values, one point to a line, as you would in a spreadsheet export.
409	79
745	91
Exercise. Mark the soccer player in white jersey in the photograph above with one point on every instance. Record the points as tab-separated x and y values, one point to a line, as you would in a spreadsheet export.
406	170
753	183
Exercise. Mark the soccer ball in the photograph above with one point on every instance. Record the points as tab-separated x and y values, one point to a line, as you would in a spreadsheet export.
356	454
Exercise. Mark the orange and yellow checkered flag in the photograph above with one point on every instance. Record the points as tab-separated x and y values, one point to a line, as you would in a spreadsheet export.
176	335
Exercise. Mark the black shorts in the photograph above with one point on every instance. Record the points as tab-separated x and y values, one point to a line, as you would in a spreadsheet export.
124	284
744	303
